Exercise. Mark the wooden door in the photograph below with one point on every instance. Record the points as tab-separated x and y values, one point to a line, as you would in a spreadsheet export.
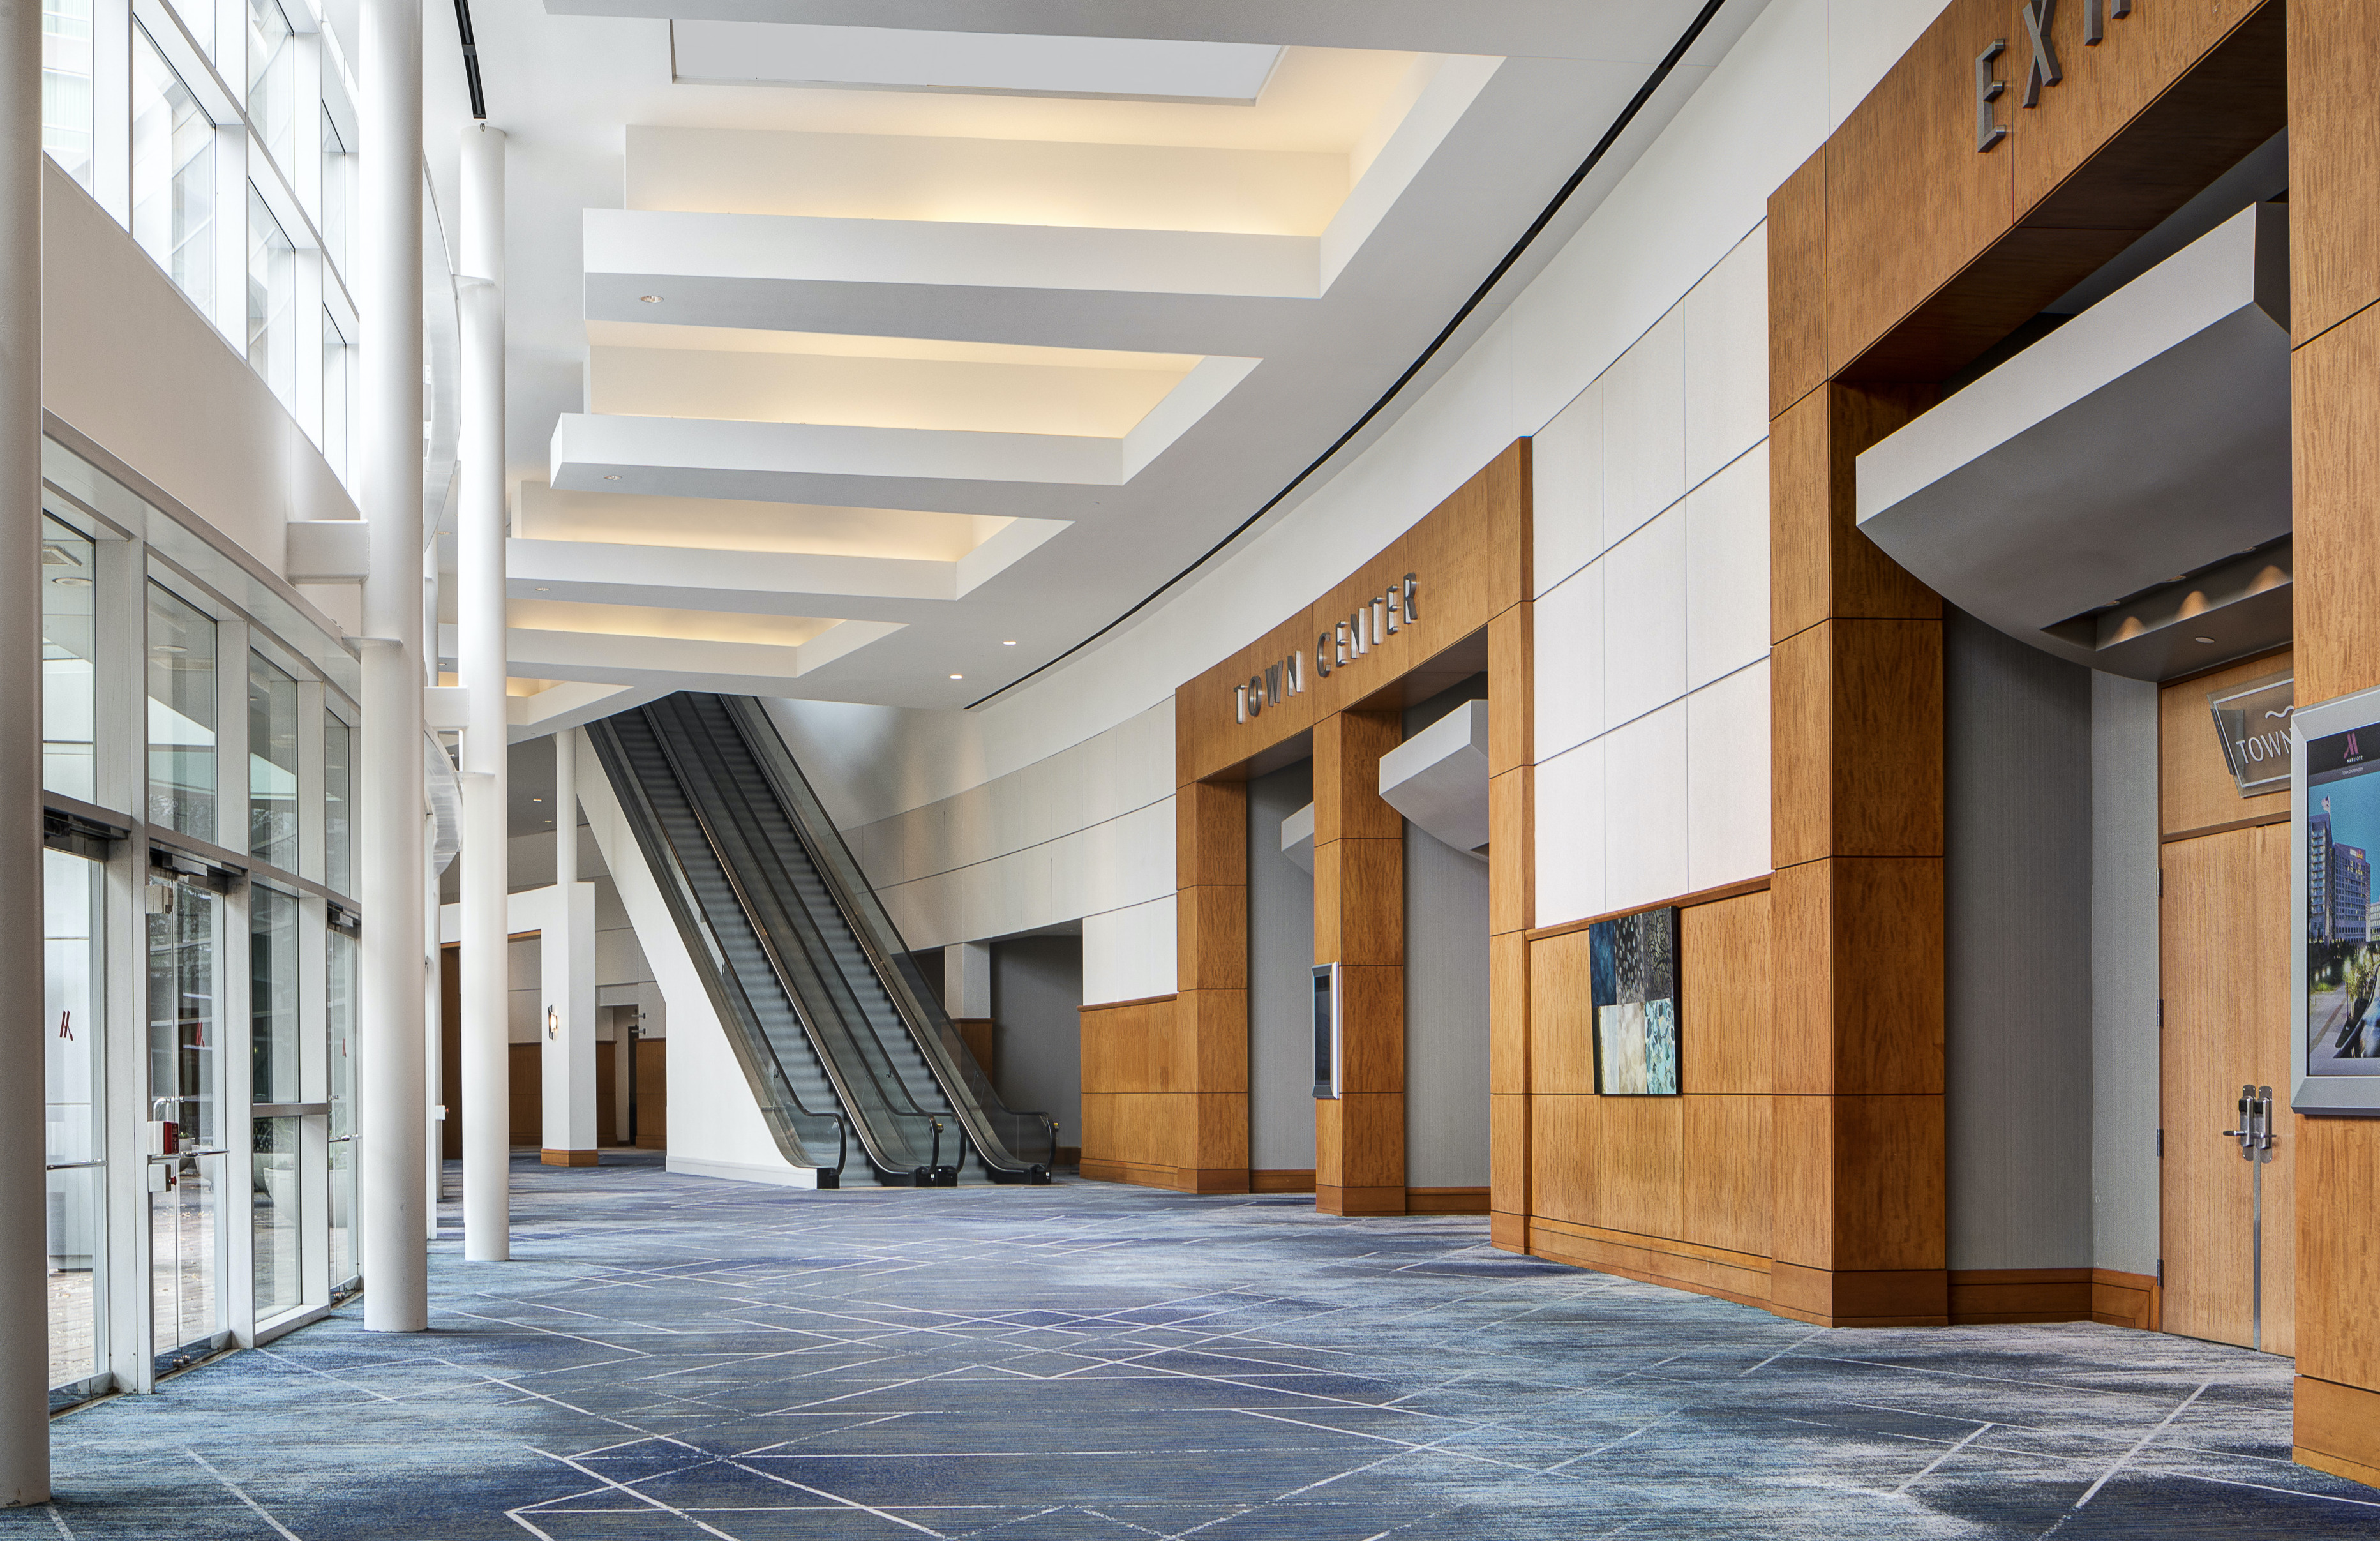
2225	960
653	1094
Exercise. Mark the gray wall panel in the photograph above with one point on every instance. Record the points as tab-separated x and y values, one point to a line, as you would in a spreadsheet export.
2124	856
1446	994
2017	954
1280	979
1036	990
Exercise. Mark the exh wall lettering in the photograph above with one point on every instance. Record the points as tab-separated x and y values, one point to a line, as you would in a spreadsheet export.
1365	627
2040	18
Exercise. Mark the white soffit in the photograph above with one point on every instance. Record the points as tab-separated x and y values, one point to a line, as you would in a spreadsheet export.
1437	779
2147	437
1297	838
993	64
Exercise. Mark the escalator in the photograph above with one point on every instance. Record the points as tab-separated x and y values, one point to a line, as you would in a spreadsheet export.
843	1043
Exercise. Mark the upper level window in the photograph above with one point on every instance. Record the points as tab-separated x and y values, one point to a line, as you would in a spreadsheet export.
66	85
272	79
338	806
338	190
272	296
69	681
338	365
182	715
272	766
172	175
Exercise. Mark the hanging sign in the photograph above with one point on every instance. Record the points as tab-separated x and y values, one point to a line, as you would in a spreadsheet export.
2251	720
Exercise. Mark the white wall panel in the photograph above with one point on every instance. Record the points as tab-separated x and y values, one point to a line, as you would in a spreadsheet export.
1570	835
1128	954
1727	569
1727	358
1567	463
1645	808
1645	618
1569	682
1727	815
1645	429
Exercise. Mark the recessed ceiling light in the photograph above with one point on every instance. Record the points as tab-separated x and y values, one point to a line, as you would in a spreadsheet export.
537	799
611	476
2206	640
73	582
958	676
651	299
1009	644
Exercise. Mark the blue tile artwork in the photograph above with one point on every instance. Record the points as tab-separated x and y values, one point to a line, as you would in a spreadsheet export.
1634	982
672	1356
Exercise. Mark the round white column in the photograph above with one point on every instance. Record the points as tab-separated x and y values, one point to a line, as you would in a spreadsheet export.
480	666
24	1309
390	1092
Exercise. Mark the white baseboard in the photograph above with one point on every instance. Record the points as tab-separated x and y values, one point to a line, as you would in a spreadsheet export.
744	1171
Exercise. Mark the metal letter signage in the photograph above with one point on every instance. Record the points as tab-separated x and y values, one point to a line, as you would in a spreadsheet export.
2040	15
2252	721
1365	627
1990	131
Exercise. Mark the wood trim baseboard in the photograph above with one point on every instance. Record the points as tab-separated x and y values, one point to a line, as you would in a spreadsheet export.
2133	1299
1684	901
566	1157
1980	1296
1150	1174
1446	1201
2338	1429
1279	1179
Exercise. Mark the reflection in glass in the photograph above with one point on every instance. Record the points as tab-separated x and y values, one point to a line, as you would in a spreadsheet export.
272	764
274	1172
338	806
184	1223
273	994
339	1018
172	175
272	291
272	79
69	687
181	716
185	1025
74	891
66	85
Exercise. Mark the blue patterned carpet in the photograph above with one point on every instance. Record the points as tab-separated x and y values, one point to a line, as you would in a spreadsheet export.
679	1357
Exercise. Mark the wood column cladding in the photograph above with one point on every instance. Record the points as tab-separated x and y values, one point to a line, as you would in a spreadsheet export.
1359	923
2334	72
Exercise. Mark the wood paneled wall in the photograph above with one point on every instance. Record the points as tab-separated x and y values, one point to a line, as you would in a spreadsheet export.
1359	923
1139	1124
2334	83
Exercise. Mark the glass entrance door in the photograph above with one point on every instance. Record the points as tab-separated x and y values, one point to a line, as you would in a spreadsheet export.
186	1156
73	1031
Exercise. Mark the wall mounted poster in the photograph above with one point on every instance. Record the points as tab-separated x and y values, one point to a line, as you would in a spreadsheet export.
1635	990
2341	979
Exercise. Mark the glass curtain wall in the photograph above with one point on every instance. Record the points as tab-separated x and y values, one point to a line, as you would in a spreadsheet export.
273	79
271	765
276	1077
172	175
69	680
339	1022
74	1032
65	85
272	299
182	711
188	1310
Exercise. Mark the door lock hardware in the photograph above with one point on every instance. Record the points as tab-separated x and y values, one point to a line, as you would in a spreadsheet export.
2255	1138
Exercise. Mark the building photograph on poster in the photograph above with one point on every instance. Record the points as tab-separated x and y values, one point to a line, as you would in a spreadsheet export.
2342	932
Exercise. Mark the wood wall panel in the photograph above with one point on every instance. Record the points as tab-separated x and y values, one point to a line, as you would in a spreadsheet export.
2338	1254
1564	1170
2334	161
1562	1016
1820	566
1359	891
1512	827
1210	926
1205	815
1797	284
1727	1172
2338	1429
2335	422
1857	728
1909	203
2195	792
1511	689
1725	1000
1640	1162
1858	990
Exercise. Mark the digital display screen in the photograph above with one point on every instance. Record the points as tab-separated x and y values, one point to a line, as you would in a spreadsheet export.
2342	952
1326	1030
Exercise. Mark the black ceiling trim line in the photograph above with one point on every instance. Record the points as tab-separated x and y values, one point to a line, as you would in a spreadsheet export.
1620	125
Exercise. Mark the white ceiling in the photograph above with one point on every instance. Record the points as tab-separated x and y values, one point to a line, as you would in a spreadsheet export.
948	362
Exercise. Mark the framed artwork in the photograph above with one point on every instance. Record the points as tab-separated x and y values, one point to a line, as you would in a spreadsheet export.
1634	962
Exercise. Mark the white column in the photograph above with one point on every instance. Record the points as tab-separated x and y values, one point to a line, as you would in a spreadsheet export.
480	661
24	1310
390	1094
967	981
568	947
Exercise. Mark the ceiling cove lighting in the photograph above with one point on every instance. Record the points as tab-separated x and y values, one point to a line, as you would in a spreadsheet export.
991	64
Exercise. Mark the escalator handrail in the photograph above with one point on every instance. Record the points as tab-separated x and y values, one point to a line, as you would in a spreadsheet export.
879	1152
720	979
777	762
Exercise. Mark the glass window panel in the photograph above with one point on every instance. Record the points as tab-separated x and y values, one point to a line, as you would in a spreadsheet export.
76	1243
275	1210
271	79
272	296
273	994
338	806
181	716
70	685
185	1081
338	359
339	1019
72	1027
272	764
343	1208
66	85
339	190
185	1244
172	175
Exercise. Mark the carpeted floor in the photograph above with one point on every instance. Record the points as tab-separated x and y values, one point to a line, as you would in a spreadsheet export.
680	1357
